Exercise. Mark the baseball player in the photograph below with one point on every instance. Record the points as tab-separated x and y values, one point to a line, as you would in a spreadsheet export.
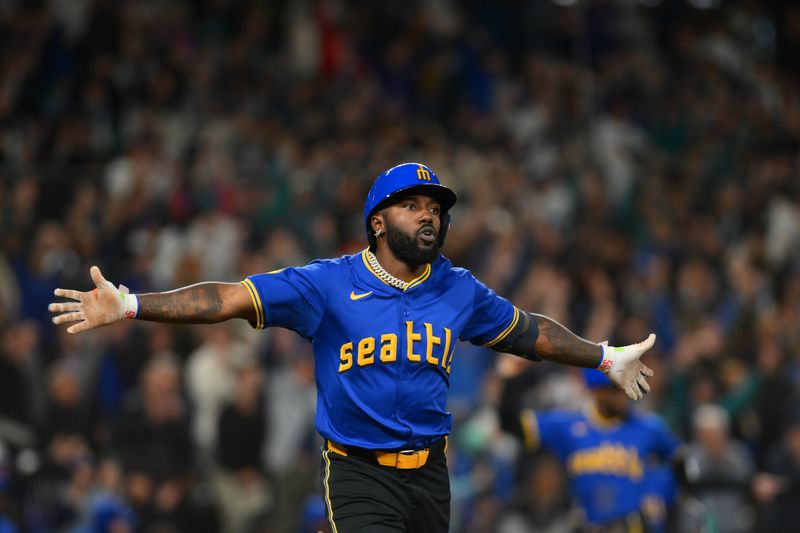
383	324
619	461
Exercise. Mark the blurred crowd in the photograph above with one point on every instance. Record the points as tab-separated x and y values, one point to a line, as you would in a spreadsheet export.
622	166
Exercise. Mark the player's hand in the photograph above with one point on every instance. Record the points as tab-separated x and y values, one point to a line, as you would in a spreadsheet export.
104	305
624	369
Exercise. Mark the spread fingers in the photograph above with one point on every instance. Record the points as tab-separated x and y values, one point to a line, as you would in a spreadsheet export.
68	317
643	384
77	328
69	293
64	307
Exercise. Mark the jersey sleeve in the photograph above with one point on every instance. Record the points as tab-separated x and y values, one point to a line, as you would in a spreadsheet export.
292	298
545	429
493	317
659	480
665	443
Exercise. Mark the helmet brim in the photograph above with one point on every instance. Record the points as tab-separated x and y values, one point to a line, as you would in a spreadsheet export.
444	195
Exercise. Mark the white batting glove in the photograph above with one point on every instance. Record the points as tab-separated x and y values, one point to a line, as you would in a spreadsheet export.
104	305
623	368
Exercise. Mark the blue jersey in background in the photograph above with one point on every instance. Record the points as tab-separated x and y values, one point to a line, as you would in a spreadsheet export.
613	465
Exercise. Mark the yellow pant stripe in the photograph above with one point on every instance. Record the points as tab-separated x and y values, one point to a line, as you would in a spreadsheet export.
328	490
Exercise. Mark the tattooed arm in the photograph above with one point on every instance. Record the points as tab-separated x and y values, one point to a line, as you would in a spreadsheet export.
538	337
622	365
558	344
203	303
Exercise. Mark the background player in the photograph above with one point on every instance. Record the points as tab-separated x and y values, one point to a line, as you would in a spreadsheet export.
618	460
383	324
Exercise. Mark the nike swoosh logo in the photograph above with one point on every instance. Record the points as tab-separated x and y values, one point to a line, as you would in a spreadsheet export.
354	296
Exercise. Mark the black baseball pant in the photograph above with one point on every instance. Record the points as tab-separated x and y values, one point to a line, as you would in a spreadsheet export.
362	496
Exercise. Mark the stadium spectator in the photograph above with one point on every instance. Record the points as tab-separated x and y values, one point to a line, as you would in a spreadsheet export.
777	487
243	490
719	470
617	162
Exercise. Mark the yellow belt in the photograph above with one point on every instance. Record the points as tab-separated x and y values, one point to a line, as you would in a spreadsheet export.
403	460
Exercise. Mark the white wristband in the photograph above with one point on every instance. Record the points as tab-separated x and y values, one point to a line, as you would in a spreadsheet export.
131	306
605	363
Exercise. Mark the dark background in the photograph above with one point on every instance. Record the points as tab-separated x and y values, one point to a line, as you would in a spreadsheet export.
622	166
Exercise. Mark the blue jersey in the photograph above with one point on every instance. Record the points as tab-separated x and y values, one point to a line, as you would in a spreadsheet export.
382	355
612	465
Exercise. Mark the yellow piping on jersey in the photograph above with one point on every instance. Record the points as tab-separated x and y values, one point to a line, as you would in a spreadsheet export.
369	267
422	277
530	430
506	331
416	281
256	303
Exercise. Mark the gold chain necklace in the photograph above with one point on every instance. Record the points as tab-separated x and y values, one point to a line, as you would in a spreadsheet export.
385	276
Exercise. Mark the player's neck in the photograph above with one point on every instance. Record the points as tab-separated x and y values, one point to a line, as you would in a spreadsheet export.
606	416
396	267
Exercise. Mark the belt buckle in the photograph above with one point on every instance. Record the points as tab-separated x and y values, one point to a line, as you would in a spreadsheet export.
412	459
407	459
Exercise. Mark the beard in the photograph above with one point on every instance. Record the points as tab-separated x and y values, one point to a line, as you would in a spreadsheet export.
407	249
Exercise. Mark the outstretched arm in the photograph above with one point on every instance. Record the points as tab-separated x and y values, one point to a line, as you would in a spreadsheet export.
556	343
539	337
202	303
621	364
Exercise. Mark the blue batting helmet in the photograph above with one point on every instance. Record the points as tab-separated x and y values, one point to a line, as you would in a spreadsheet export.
595	379
407	178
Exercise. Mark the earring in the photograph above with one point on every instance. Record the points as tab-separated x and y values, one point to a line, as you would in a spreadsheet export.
378	233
